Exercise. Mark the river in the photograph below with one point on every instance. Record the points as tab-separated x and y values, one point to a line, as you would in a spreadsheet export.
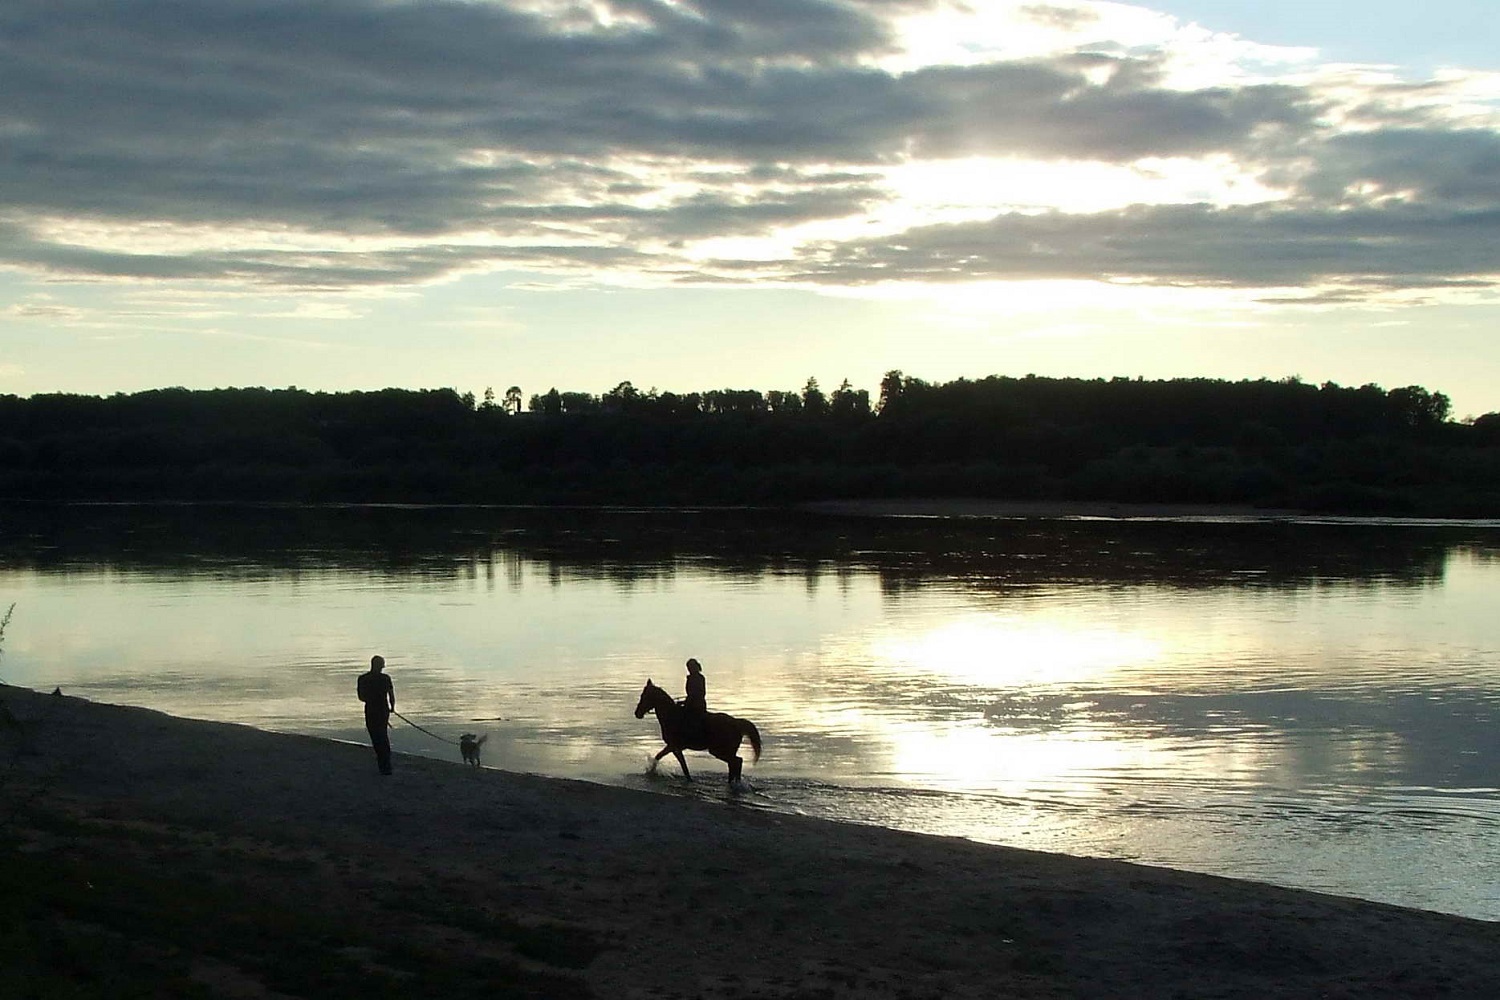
1306	702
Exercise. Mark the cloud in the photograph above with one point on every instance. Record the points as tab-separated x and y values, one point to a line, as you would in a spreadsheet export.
1265	246
42	309
1429	165
363	143
1066	18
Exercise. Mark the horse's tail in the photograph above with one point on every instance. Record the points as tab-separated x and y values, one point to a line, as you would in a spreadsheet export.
747	728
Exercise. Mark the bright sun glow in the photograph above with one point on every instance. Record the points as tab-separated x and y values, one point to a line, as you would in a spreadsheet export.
979	757
996	651
974	188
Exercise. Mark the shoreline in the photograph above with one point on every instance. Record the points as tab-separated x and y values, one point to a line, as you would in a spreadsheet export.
678	897
938	507
1054	509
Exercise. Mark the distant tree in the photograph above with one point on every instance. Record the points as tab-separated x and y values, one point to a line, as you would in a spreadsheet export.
813	400
513	399
621	399
783	402
1417	408
580	402
670	404
734	401
549	403
891	388
489	398
1486	428
849	402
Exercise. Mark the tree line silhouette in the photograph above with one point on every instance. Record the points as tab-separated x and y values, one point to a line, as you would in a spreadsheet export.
1269	443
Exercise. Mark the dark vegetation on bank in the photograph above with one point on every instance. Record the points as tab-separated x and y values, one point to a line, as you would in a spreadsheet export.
1364	450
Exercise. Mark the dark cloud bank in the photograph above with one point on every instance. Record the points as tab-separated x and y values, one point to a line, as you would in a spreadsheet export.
419	121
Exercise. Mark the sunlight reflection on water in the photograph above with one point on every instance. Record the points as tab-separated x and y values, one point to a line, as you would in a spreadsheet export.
1308	704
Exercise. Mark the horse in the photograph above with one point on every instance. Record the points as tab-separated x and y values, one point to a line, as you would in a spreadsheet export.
721	733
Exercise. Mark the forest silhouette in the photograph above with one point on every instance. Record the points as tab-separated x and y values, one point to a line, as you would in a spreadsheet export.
1265	443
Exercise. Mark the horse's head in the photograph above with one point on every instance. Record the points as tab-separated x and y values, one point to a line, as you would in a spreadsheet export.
645	704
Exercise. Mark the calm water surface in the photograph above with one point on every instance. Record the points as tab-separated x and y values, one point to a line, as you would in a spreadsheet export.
1307	703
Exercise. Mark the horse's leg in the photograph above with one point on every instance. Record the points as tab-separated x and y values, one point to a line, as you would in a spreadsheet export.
682	762
729	754
657	759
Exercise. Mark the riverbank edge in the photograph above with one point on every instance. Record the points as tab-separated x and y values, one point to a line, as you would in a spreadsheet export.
939	507
669	895
979	507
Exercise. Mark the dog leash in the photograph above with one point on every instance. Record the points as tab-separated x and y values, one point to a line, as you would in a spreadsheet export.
429	732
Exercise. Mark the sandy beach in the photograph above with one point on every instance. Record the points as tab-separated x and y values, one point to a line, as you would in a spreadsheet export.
575	889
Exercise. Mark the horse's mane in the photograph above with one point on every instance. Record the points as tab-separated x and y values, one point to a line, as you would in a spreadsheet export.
666	696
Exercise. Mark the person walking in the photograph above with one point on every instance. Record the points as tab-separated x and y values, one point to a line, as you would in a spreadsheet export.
379	695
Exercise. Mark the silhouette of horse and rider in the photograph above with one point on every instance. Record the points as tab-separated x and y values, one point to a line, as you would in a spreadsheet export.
688	725
691	726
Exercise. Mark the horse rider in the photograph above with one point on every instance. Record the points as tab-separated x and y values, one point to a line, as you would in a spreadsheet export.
695	705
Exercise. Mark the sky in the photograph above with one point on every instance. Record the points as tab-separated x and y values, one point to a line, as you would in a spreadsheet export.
700	194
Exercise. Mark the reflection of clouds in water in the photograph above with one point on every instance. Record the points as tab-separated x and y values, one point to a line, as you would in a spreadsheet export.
1436	737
